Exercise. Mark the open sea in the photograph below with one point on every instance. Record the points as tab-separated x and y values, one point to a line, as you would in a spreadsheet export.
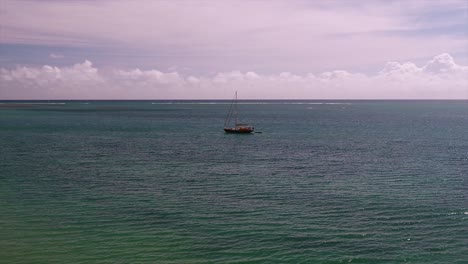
160	182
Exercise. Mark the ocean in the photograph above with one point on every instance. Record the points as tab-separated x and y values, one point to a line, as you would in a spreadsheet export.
160	182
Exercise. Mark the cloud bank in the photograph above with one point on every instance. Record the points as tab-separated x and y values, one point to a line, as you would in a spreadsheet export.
439	78
267	36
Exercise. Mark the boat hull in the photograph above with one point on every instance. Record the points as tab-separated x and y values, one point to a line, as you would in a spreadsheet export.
239	130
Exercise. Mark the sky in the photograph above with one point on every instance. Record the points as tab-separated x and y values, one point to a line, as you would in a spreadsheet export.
296	49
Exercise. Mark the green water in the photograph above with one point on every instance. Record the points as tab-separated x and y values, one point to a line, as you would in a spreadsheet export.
160	182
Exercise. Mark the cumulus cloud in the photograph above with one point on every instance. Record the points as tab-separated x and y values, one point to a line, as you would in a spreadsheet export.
439	78
51	82
443	63
56	56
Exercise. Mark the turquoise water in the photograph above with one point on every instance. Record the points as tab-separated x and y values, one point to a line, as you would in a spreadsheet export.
160	182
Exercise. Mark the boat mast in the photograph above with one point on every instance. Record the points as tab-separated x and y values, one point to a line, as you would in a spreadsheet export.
235	110
232	111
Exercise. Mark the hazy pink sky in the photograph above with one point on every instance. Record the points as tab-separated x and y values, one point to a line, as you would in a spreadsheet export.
208	49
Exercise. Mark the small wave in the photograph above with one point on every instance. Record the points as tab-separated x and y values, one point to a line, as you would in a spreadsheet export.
319	103
247	103
190	103
23	103
47	103
455	213
207	103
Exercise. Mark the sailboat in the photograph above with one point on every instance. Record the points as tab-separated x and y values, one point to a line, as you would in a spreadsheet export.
232	115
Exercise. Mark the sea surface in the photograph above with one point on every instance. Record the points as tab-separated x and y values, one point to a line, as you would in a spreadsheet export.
160	182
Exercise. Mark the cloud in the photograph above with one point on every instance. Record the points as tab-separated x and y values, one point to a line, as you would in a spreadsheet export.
439	78
302	35
443	63
51	82
152	76
56	56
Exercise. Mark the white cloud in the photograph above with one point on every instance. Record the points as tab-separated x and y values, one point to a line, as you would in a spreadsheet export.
151	76
50	82
56	56
439	78
443	63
